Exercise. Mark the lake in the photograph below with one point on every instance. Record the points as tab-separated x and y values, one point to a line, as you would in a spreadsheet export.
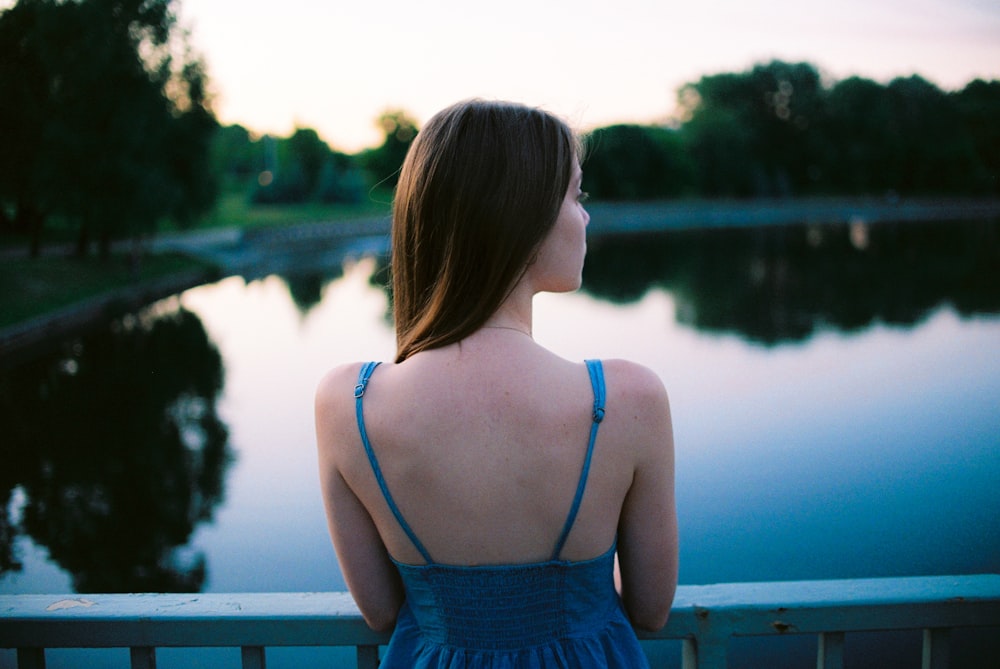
835	392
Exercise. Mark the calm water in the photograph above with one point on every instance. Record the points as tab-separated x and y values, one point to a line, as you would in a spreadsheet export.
836	399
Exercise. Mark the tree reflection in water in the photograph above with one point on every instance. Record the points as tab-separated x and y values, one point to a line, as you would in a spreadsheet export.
775	284
118	452
306	288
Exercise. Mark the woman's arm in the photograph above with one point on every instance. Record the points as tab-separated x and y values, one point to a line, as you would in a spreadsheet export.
364	561
647	531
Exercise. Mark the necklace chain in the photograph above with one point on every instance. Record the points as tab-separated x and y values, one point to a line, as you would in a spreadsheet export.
505	327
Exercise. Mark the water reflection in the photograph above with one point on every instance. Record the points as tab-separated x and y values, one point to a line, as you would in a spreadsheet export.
114	455
306	283
774	284
114	452
778	283
306	290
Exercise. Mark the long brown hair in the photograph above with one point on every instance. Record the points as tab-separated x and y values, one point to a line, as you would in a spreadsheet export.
480	189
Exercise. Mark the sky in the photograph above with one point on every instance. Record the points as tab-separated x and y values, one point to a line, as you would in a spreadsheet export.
336	65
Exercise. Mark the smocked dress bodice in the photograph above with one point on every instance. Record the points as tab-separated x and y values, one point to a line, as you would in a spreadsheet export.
538	615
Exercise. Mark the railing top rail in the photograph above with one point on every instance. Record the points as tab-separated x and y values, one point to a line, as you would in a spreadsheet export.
791	607
842	592
331	619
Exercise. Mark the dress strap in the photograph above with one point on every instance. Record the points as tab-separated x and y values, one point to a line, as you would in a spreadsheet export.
596	371
359	392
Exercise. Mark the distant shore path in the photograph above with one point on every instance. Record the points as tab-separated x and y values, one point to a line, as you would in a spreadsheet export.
625	217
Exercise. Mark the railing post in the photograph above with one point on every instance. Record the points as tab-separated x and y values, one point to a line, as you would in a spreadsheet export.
831	651
253	657
937	648
705	652
142	657
689	654
30	658
367	657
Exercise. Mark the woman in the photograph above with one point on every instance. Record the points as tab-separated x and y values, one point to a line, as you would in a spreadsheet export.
479	489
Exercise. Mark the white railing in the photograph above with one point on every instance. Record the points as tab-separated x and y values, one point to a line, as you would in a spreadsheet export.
703	618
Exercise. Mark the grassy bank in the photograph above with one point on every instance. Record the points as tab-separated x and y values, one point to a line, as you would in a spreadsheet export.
34	287
37	286
234	209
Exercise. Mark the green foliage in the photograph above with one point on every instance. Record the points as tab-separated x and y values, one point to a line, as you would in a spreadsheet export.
341	181
293	170
978	106
235	209
777	130
720	147
859	111
303	168
36	286
384	162
634	162
234	157
107	130
105	118
932	153
755	133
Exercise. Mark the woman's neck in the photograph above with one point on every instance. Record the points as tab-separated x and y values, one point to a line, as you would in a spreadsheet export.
514	314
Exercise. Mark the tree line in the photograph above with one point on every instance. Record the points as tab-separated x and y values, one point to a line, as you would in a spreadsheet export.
304	168
105	120
775	130
779	130
107	131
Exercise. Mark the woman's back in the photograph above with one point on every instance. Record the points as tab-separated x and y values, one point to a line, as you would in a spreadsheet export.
492	493
482	446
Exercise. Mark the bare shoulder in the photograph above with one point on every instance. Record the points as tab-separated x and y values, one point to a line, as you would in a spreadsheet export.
635	385
334	405
639	409
337	385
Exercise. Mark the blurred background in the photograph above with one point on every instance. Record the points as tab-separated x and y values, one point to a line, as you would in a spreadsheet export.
795	223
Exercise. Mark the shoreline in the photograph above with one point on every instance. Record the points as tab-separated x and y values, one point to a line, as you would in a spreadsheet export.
641	217
232	250
21	342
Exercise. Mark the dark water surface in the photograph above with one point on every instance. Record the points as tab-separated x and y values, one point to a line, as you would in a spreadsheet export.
835	389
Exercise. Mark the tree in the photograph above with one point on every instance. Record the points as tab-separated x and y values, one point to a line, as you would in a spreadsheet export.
106	112
303	168
384	162
311	153
756	132
635	162
341	180
721	148
24	104
233	155
978	107
860	116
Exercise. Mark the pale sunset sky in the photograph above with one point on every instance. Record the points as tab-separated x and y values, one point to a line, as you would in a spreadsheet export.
335	65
